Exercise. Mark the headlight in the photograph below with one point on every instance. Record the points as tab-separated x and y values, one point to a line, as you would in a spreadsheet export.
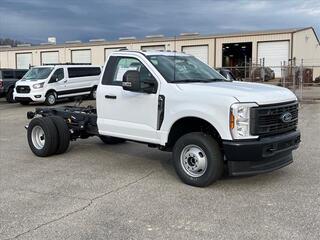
240	120
38	85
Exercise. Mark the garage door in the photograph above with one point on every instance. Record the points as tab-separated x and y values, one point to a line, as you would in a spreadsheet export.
273	54
81	56
154	48
24	60
108	51
200	52
49	57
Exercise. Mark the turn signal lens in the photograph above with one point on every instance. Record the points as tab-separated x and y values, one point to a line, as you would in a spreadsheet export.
231	120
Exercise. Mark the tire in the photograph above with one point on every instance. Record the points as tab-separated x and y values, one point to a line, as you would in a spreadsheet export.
51	98
24	103
9	96
42	136
93	94
111	140
198	159
63	134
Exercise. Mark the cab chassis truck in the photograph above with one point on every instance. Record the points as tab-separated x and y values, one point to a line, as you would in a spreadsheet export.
176	103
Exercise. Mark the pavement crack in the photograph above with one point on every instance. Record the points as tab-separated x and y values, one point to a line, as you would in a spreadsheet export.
91	201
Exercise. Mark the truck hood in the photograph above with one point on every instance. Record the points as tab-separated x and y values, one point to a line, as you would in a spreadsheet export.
242	91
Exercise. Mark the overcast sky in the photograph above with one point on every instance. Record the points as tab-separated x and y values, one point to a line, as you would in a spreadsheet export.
34	20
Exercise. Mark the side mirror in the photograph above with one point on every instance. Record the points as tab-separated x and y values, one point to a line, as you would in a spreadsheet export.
131	81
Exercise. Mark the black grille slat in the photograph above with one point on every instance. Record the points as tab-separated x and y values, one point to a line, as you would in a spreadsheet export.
23	89
266	120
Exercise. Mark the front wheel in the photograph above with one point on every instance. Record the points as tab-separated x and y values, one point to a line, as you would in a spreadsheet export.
51	98
10	98
198	159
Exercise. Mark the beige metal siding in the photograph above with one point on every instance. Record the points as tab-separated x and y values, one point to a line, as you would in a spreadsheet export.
307	47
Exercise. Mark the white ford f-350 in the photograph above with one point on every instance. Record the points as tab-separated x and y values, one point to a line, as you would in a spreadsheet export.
176	103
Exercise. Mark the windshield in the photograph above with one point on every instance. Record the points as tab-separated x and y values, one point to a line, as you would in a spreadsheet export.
38	73
184	69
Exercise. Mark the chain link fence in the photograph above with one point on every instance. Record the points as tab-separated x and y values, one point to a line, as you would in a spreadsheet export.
302	76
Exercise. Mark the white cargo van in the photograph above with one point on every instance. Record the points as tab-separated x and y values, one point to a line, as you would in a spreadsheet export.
51	82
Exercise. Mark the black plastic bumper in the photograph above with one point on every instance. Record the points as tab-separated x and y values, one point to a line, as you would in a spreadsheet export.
261	155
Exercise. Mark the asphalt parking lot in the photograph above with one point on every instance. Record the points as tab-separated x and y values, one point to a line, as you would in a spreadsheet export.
129	191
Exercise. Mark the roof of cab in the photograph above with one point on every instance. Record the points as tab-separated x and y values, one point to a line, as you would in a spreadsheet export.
154	52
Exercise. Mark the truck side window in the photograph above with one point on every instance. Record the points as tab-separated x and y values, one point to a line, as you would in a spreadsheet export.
123	64
57	75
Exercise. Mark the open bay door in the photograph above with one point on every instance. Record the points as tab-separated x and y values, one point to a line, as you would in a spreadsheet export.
49	58
200	52
81	56
273	54
24	60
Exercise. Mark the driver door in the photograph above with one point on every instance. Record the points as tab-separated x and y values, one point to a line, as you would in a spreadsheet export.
58	81
126	114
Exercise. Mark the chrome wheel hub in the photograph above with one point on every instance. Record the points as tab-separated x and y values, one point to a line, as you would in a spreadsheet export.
51	99
193	160
38	137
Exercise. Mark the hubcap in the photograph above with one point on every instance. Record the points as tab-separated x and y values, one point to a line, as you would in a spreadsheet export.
38	137
51	99
193	161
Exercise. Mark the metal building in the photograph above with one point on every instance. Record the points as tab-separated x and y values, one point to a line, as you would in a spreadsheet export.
270	48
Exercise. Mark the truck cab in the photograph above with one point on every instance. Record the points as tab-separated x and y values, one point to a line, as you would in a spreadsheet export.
177	103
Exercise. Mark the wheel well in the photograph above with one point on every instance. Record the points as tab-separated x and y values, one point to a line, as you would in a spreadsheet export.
49	91
188	125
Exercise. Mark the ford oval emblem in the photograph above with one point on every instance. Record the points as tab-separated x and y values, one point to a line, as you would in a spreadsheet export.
286	117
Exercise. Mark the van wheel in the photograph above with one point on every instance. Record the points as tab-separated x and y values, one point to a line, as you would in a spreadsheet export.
63	134
93	94
197	159
111	140
10	96
42	136
51	98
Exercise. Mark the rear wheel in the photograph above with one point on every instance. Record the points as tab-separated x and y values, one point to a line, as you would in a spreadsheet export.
63	134
51	98
93	94
42	136
197	159
9	97
111	140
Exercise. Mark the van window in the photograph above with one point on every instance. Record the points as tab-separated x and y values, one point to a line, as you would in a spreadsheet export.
74	72
7	75
57	75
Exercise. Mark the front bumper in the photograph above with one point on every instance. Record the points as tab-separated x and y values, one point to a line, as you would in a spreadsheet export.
262	155
33	96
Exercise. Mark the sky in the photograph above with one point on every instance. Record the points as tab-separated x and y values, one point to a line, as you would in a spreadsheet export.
33	21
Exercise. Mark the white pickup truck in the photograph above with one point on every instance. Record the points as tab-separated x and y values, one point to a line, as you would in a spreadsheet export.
176	103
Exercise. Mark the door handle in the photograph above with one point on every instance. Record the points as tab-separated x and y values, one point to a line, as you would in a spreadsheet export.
65	81
110	96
